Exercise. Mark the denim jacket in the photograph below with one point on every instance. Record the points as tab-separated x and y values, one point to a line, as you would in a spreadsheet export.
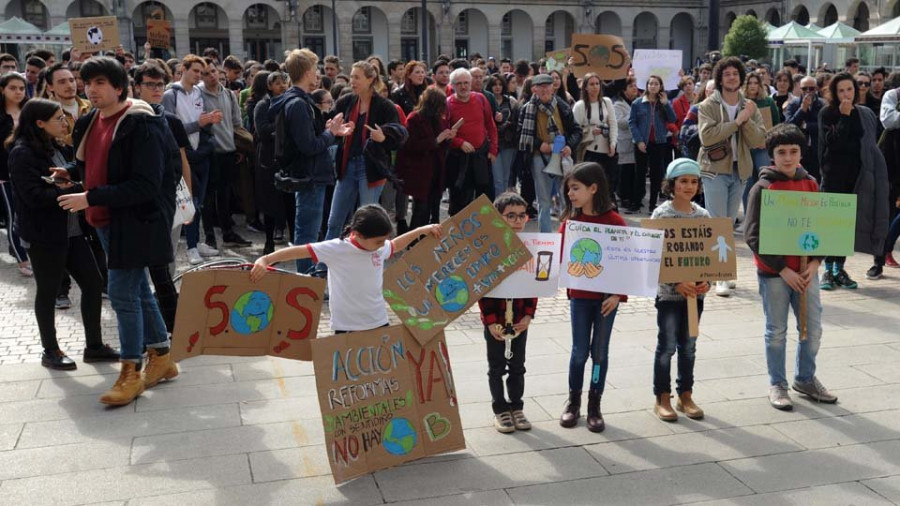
639	121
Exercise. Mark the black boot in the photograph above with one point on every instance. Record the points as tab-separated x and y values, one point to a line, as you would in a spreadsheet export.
402	227
572	411
595	421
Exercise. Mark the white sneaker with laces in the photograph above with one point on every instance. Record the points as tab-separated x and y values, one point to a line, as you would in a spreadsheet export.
205	250
779	398
722	289
194	256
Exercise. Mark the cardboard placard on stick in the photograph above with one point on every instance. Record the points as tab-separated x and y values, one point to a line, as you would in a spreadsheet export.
439	279
385	400
611	259
696	249
90	35
538	277
806	223
557	60
604	55
221	312
159	33
663	63
766	114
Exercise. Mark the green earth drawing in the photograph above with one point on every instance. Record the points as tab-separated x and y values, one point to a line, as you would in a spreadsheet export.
252	312
399	437
452	294
586	251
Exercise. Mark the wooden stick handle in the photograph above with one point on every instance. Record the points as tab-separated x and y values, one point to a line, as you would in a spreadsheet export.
804	262
693	317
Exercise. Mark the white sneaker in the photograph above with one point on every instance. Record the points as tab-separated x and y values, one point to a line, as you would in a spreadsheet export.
206	250
194	256
722	289
732	284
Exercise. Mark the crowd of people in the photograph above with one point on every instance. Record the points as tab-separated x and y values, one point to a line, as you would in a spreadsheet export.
334	161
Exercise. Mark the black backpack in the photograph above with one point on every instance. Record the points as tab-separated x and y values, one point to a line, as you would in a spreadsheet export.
288	177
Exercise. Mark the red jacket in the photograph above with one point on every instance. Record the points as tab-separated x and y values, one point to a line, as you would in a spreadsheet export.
607	218
421	158
479	123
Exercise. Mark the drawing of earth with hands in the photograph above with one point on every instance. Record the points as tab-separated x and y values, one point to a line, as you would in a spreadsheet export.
584	258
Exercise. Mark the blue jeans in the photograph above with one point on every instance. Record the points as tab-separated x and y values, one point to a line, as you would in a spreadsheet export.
723	194
501	170
777	298
590	336
200	180
671	317
760	159
543	187
353	186
308	219
140	321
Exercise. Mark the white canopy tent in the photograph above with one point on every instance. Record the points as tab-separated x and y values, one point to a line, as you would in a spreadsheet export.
880	46
791	35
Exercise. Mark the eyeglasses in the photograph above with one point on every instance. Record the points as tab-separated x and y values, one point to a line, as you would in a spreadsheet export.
60	119
516	216
863	84
154	86
809	88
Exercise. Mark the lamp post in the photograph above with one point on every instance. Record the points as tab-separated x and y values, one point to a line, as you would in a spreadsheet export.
334	32
424	32
712	42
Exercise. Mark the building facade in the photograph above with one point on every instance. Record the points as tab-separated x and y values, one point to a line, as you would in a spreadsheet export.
393	29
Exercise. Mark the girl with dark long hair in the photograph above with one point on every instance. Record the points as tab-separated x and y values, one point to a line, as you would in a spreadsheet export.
53	237
12	93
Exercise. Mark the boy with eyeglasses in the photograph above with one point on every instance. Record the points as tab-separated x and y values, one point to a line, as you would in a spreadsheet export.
508	415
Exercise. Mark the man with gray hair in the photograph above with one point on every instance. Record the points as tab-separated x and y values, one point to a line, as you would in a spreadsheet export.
474	148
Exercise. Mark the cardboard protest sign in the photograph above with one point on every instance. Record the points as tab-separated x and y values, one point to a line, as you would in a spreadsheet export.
557	60
385	400
766	114
611	259
805	223
438	280
604	55
539	276
221	312
696	249
90	35
159	32
664	63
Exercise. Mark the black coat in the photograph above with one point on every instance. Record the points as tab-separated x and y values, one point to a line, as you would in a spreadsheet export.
381	112
40	220
136	193
6	129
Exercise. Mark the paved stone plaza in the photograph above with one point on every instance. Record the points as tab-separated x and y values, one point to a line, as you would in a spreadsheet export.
247	431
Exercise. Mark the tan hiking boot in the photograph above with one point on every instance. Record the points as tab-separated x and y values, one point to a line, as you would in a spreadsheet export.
663	408
159	367
129	385
686	405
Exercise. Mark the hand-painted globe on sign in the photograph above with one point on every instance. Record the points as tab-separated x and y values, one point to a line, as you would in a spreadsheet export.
252	312
399	437
452	294
586	251
95	35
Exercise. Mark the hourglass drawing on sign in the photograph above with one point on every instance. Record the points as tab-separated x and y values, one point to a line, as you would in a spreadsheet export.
544	265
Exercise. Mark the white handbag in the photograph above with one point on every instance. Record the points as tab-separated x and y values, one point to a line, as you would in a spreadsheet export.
184	205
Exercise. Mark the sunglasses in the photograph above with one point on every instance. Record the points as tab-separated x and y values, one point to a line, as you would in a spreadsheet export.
809	88
863	84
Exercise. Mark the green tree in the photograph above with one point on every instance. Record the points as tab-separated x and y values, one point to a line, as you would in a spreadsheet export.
747	37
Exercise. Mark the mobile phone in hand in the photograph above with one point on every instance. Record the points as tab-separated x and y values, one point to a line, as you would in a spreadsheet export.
56	180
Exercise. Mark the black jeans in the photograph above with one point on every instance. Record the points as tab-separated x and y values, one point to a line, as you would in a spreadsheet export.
672	319
50	264
166	294
514	368
428	210
470	187
610	166
654	161
223	172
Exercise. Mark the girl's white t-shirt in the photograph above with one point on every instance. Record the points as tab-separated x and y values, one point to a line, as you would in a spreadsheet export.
355	279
